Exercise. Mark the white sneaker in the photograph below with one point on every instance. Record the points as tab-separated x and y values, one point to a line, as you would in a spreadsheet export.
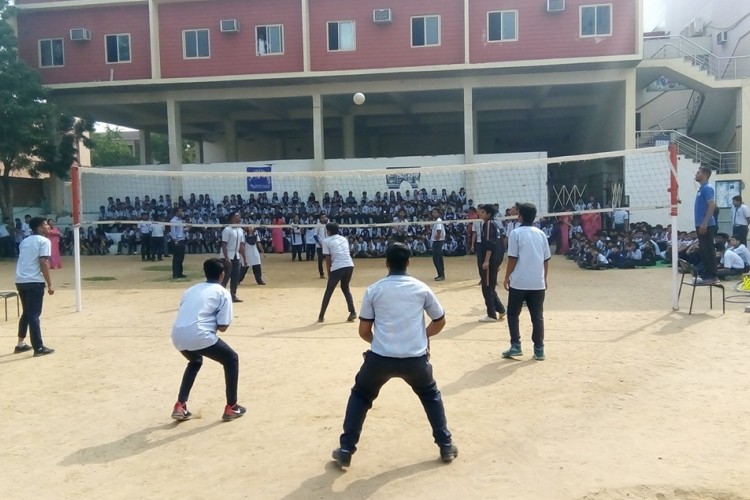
487	319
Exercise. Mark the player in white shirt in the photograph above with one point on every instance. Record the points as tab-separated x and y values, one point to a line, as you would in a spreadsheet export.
340	269
32	272
392	321
437	238
320	235
233	252
253	252
157	238
526	280
205	310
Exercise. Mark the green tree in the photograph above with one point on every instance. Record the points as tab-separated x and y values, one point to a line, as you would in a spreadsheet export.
35	137
111	150
160	149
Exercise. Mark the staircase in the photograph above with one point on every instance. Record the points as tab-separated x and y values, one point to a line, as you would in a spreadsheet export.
720	162
720	68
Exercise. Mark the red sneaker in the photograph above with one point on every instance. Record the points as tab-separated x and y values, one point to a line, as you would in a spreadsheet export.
180	412
233	412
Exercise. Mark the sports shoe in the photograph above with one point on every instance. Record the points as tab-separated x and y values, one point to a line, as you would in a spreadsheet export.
539	353
487	319
448	452
515	350
322	276
342	457
440	278
233	412
236	300
43	351
321	319
352	316
180	412
21	348
707	281
501	313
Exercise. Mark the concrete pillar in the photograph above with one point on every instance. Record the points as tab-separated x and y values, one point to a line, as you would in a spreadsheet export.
230	139
347	123
305	35
468	125
630	110
144	137
153	27
174	125
743	131
318	149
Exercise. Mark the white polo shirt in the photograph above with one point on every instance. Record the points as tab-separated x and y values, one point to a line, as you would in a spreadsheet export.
203	308
743	252
234	237
740	215
438	226
397	304
320	232
31	249
529	245
157	230
338	248
731	260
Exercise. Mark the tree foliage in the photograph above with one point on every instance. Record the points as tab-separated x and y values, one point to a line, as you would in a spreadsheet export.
35	137
111	150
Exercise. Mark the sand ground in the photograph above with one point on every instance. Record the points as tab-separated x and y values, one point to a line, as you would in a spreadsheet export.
633	401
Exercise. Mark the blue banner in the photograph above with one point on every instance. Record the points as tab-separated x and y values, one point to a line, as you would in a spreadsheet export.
259	184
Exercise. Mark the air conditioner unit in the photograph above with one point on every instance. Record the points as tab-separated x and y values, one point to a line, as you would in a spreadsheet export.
80	34
229	26
555	5
382	16
722	37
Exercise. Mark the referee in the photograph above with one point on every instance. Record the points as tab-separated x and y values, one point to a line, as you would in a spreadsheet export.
392	321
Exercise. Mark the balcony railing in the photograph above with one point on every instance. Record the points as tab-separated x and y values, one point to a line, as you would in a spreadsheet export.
721	68
721	162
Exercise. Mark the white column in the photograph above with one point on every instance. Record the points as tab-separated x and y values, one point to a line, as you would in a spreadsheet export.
630	110
347	123
230	139
305	7
467	32
743	131
318	149
153	27
468	125
174	125
144	137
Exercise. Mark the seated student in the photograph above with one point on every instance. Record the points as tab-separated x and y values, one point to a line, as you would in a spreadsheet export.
598	260
649	254
731	265
633	257
741	250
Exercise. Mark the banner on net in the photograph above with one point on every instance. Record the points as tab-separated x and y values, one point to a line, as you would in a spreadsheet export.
259	183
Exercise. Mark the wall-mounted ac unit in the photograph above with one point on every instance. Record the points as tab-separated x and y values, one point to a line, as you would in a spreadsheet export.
555	5
80	34
229	26
722	37
382	16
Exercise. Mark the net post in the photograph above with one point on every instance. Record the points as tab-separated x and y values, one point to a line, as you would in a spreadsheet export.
76	209
674	191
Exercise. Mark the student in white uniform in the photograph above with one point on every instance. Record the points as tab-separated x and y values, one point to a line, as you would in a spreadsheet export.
232	251
437	238
340	269
320	235
205	310
392	320
157	238
32	272
253	252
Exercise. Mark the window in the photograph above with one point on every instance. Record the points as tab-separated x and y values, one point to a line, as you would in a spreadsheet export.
269	40
341	35
596	20
425	30
502	26
51	53
118	48
195	44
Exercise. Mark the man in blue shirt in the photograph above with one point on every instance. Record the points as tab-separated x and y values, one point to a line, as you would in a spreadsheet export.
705	226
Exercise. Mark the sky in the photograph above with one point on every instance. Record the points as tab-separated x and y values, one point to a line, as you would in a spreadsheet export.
654	12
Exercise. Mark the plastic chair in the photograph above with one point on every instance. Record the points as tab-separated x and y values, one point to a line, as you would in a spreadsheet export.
686	269
6	296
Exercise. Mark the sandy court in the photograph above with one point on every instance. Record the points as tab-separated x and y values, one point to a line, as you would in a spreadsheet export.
633	401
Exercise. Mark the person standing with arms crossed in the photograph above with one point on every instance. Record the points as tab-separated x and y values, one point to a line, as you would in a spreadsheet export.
232	251
340	268
205	310
526	280
438	239
157	239
740	219
320	235
392	321
32	272
491	250
177	230
705	226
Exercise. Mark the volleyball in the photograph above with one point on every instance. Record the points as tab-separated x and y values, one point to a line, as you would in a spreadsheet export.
359	98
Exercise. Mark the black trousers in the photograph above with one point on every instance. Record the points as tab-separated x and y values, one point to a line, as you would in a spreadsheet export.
219	352
374	373
146	247
178	257
320	262
157	247
231	275
489	283
707	252
437	258
740	232
297	251
32	299
535	302
343	276
310	251
257	273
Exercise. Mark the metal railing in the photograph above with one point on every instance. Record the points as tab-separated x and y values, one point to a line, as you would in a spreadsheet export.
722	162
721	68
